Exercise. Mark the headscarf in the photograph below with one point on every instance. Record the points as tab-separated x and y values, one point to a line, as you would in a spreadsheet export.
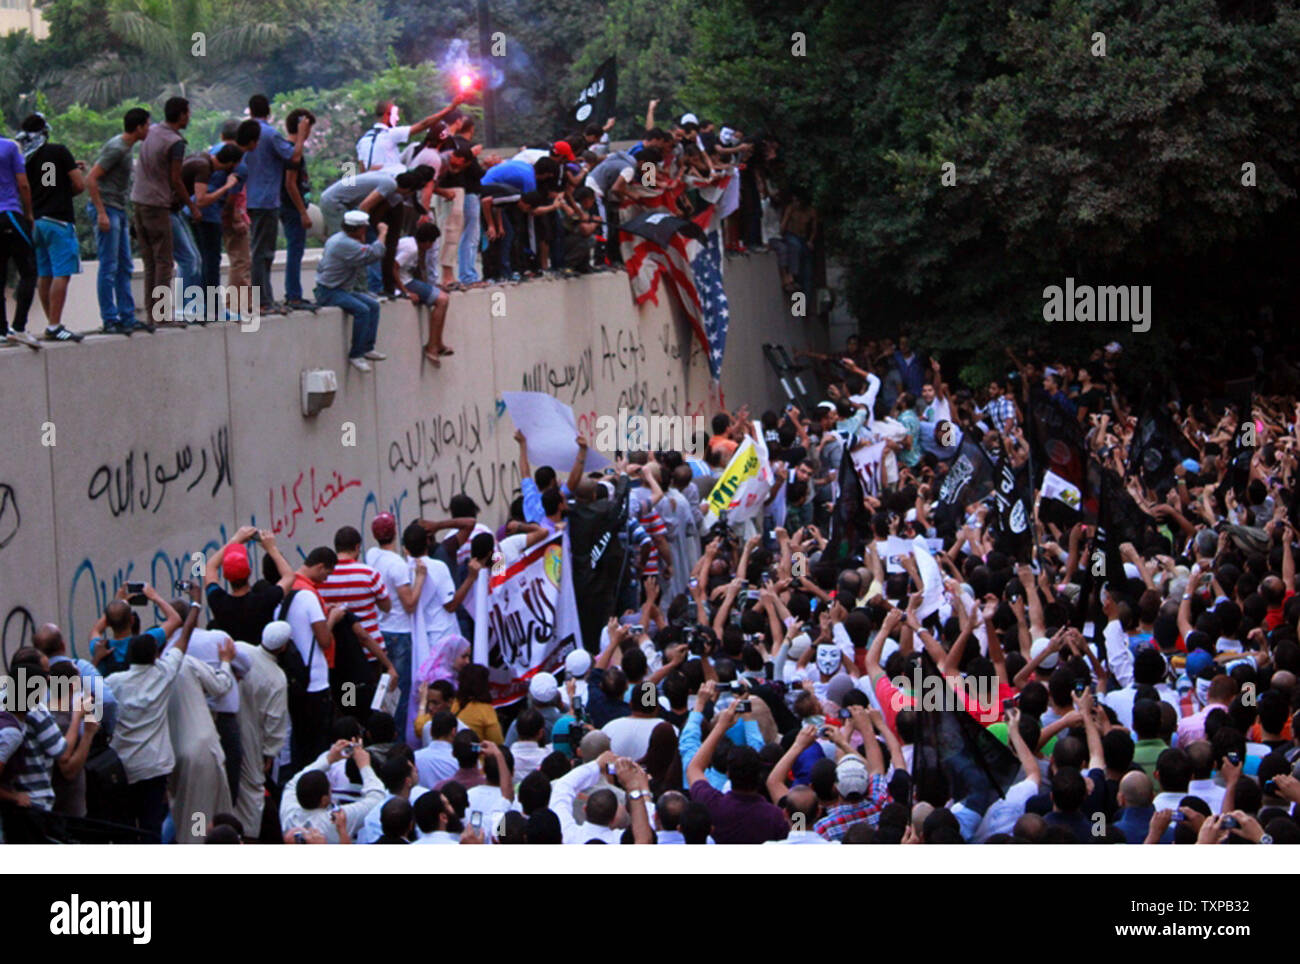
442	660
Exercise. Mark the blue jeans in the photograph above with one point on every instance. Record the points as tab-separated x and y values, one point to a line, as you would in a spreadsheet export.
801	261
364	310
469	238
374	270
427	292
398	648
295	236
189	266
113	248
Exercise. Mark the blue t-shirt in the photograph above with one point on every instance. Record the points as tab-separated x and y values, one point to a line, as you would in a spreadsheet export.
11	165
241	172
115	661
212	213
266	168
516	174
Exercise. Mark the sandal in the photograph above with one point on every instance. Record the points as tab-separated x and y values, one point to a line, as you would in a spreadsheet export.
432	359
444	351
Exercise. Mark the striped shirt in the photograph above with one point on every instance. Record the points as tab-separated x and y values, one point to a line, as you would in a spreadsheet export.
653	526
43	744
358	588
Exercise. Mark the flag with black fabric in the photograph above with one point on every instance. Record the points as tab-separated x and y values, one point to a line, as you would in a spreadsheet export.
1157	447
598	557
1057	438
1013	505
849	517
595	104
1119	520
975	767
970	478
1058	447
1240	393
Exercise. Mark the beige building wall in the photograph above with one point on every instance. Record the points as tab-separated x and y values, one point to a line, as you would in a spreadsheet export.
128	459
18	15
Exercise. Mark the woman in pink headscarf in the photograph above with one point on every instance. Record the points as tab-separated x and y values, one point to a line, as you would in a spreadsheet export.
449	654
444	661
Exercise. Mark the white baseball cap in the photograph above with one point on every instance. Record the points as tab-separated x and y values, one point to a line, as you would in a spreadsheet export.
851	775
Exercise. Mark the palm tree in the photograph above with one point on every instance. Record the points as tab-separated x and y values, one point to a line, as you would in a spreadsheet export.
195	48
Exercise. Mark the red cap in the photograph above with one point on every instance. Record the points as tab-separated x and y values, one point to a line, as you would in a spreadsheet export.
384	527
235	563
563	149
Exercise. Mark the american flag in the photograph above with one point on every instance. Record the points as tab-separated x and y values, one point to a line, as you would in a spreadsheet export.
690	268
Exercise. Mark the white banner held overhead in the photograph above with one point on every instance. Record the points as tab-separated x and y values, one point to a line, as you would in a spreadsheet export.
527	620
551	430
866	461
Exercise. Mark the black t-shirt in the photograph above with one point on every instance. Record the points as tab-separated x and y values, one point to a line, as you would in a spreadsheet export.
304	184
244	617
1094	400
52	200
468	179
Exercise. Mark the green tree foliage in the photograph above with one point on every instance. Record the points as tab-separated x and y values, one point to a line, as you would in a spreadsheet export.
1116	169
653	44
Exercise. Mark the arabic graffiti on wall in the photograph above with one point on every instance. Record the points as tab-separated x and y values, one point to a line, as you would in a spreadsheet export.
117	484
448	453
309	493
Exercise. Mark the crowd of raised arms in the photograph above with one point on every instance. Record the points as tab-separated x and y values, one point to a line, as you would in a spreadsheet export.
855	663
422	210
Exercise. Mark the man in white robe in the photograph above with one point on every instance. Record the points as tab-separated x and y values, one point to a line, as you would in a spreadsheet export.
263	721
198	786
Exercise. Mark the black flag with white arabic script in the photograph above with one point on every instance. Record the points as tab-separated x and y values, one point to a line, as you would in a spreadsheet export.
595	104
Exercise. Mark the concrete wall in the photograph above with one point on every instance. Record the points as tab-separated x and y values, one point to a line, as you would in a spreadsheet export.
122	458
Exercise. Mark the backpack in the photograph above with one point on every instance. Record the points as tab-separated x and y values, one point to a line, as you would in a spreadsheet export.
296	671
107	796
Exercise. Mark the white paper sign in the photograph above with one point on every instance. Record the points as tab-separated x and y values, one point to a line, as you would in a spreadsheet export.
551	430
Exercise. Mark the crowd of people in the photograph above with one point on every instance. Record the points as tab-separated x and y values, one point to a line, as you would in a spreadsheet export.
420	212
852	663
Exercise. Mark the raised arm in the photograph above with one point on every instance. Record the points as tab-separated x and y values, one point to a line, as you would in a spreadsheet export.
701	760
776	785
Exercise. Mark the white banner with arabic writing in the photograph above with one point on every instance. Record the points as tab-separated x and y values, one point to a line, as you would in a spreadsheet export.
527	620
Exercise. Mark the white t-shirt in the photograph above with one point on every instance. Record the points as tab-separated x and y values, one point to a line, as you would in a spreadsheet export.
512	547
629	736
439	588
407	259
419	156
303	611
392	567
382	146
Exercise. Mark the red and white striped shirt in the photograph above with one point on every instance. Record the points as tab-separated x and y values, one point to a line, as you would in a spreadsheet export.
358	588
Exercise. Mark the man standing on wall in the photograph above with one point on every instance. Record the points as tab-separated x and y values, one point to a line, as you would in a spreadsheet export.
266	166
295	220
57	180
16	240
157	187
234	216
108	184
